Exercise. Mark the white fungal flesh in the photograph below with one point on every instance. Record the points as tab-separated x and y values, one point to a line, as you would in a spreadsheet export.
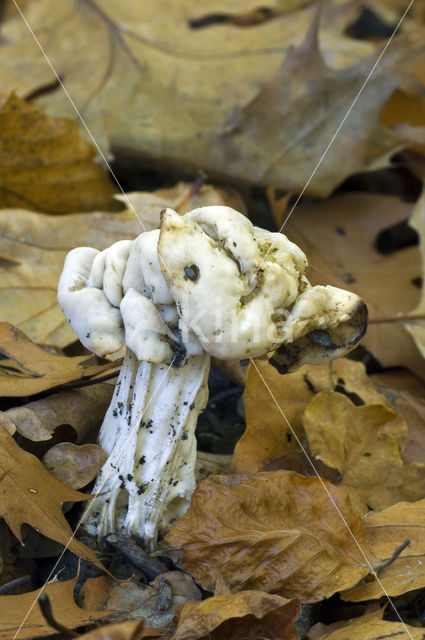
206	283
149	434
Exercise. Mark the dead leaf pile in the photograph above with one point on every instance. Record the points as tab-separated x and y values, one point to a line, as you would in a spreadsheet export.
325	498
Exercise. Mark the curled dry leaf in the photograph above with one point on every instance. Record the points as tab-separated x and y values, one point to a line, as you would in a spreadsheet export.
24	609
30	369
45	165
78	412
363	444
74	465
370	626
385	533
33	247
385	282
279	532
268	439
30	494
248	615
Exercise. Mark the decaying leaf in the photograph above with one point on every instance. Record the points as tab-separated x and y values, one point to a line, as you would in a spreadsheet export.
30	494
30	369
386	532
363	444
23	609
131	630
248	615
45	165
370	626
74	465
129	60
279	532
33	247
350	224
75	413
417	327
268	437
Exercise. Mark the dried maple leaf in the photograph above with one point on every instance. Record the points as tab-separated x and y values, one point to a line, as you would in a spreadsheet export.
14	610
30	494
363	444
30	369
246	615
45	165
370	626
385	533
279	532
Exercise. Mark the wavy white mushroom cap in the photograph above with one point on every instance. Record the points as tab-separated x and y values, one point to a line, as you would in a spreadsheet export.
99	293
230	280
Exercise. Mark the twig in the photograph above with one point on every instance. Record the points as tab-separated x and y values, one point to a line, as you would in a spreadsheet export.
12	584
46	610
150	567
397	552
194	189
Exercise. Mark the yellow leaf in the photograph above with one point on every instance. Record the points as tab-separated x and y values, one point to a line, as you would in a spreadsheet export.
279	532
385	533
371	627
45	165
363	444
245	615
30	494
30	369
14	609
269	441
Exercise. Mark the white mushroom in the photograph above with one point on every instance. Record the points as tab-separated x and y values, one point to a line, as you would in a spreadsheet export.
207	283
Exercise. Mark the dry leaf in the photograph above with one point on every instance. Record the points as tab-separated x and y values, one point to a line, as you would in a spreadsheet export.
268	438
363	444
132	60
271	128
45	165
417	327
74	413
371	627
244	616
30	369
14	609
30	494
385	533
350	224
131	630
33	249
74	465
279	532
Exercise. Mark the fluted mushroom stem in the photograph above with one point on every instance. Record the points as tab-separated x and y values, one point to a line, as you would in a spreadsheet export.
149	434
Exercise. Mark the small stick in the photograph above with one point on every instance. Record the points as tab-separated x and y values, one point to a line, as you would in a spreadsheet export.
397	552
150	567
17	582
46	610
194	189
